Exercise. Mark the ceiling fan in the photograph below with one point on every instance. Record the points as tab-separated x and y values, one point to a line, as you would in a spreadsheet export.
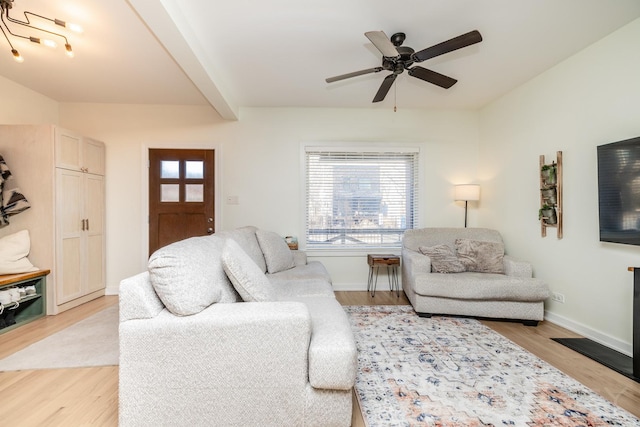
397	58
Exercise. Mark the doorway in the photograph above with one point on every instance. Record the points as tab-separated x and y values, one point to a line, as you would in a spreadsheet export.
181	195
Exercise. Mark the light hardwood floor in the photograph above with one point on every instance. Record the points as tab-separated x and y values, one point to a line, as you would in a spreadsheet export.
89	396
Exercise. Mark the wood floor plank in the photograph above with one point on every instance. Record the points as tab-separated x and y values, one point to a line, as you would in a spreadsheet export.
89	396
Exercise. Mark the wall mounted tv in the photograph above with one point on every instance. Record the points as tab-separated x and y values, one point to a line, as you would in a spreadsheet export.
619	191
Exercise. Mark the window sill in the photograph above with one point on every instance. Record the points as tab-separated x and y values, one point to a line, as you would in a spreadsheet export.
328	253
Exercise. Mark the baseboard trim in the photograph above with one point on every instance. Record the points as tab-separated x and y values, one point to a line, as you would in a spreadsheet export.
112	290
349	287
587	332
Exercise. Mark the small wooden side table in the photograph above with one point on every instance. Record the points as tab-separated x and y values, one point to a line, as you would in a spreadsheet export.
391	262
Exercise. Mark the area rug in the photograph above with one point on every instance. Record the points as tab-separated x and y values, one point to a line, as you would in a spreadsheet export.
90	342
445	371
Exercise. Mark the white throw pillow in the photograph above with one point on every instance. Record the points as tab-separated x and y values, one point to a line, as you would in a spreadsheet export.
249	281
188	275
14	249
276	252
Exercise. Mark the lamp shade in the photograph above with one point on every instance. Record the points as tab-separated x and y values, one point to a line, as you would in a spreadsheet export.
467	192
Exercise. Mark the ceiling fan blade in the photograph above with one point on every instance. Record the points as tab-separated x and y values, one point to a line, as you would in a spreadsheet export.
455	43
384	87
382	43
354	74
432	77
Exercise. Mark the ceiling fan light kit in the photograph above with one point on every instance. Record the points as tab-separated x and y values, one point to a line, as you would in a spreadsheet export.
398	58
6	5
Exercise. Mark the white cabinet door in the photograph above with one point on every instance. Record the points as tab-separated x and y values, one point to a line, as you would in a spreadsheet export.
78	153
94	232
69	235
93	156
68	150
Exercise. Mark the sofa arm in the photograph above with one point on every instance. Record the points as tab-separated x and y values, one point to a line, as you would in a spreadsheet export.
223	360
516	268
415	262
138	299
299	257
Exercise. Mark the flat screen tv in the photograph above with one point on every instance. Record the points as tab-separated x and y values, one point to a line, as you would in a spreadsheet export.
619	191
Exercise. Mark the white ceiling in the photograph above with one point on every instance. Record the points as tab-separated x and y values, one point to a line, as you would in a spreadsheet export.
277	53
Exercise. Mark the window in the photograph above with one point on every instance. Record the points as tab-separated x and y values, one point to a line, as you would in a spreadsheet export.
359	199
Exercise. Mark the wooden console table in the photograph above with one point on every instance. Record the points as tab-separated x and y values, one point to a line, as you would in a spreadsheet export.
391	262
29	307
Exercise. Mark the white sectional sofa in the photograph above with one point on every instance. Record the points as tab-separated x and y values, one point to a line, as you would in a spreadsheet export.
234	329
464	272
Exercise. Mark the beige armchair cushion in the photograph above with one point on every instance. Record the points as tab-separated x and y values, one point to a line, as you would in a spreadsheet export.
443	259
481	256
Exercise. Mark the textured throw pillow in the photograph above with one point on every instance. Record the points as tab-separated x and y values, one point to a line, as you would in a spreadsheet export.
249	281
276	252
481	256
443	259
188	275
14	249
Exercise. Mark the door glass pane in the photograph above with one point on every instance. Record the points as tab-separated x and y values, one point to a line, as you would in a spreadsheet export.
169	169
169	192
194	193
194	169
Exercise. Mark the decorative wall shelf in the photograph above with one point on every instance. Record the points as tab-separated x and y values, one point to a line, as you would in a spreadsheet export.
550	213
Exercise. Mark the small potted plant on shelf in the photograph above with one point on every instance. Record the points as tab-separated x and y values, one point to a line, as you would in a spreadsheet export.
547	214
549	195
548	174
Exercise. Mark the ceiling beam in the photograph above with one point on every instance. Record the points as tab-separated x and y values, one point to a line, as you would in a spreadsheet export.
165	21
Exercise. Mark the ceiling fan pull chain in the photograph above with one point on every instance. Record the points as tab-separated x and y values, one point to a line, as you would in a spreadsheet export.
395	98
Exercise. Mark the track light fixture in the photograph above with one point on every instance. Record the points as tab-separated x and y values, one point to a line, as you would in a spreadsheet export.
6	5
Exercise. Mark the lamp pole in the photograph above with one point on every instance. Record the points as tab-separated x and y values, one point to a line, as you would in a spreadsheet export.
465	213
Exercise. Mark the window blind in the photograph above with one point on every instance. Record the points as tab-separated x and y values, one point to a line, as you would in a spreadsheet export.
360	199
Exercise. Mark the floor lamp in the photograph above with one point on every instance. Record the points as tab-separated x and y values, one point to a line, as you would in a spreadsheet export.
466	193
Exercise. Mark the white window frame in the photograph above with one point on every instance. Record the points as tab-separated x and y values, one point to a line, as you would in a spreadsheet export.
370	149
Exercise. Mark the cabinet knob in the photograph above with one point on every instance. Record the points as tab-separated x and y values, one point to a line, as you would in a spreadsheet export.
209	230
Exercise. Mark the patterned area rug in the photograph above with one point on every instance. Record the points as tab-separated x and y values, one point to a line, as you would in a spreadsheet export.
457	372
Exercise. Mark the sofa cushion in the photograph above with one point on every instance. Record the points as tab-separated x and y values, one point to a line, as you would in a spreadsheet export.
247	279
246	238
443	259
311	279
188	275
14	249
276	252
481	256
137	298
481	286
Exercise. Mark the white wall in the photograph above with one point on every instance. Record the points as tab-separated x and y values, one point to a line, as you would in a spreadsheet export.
259	162
23	106
590	99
